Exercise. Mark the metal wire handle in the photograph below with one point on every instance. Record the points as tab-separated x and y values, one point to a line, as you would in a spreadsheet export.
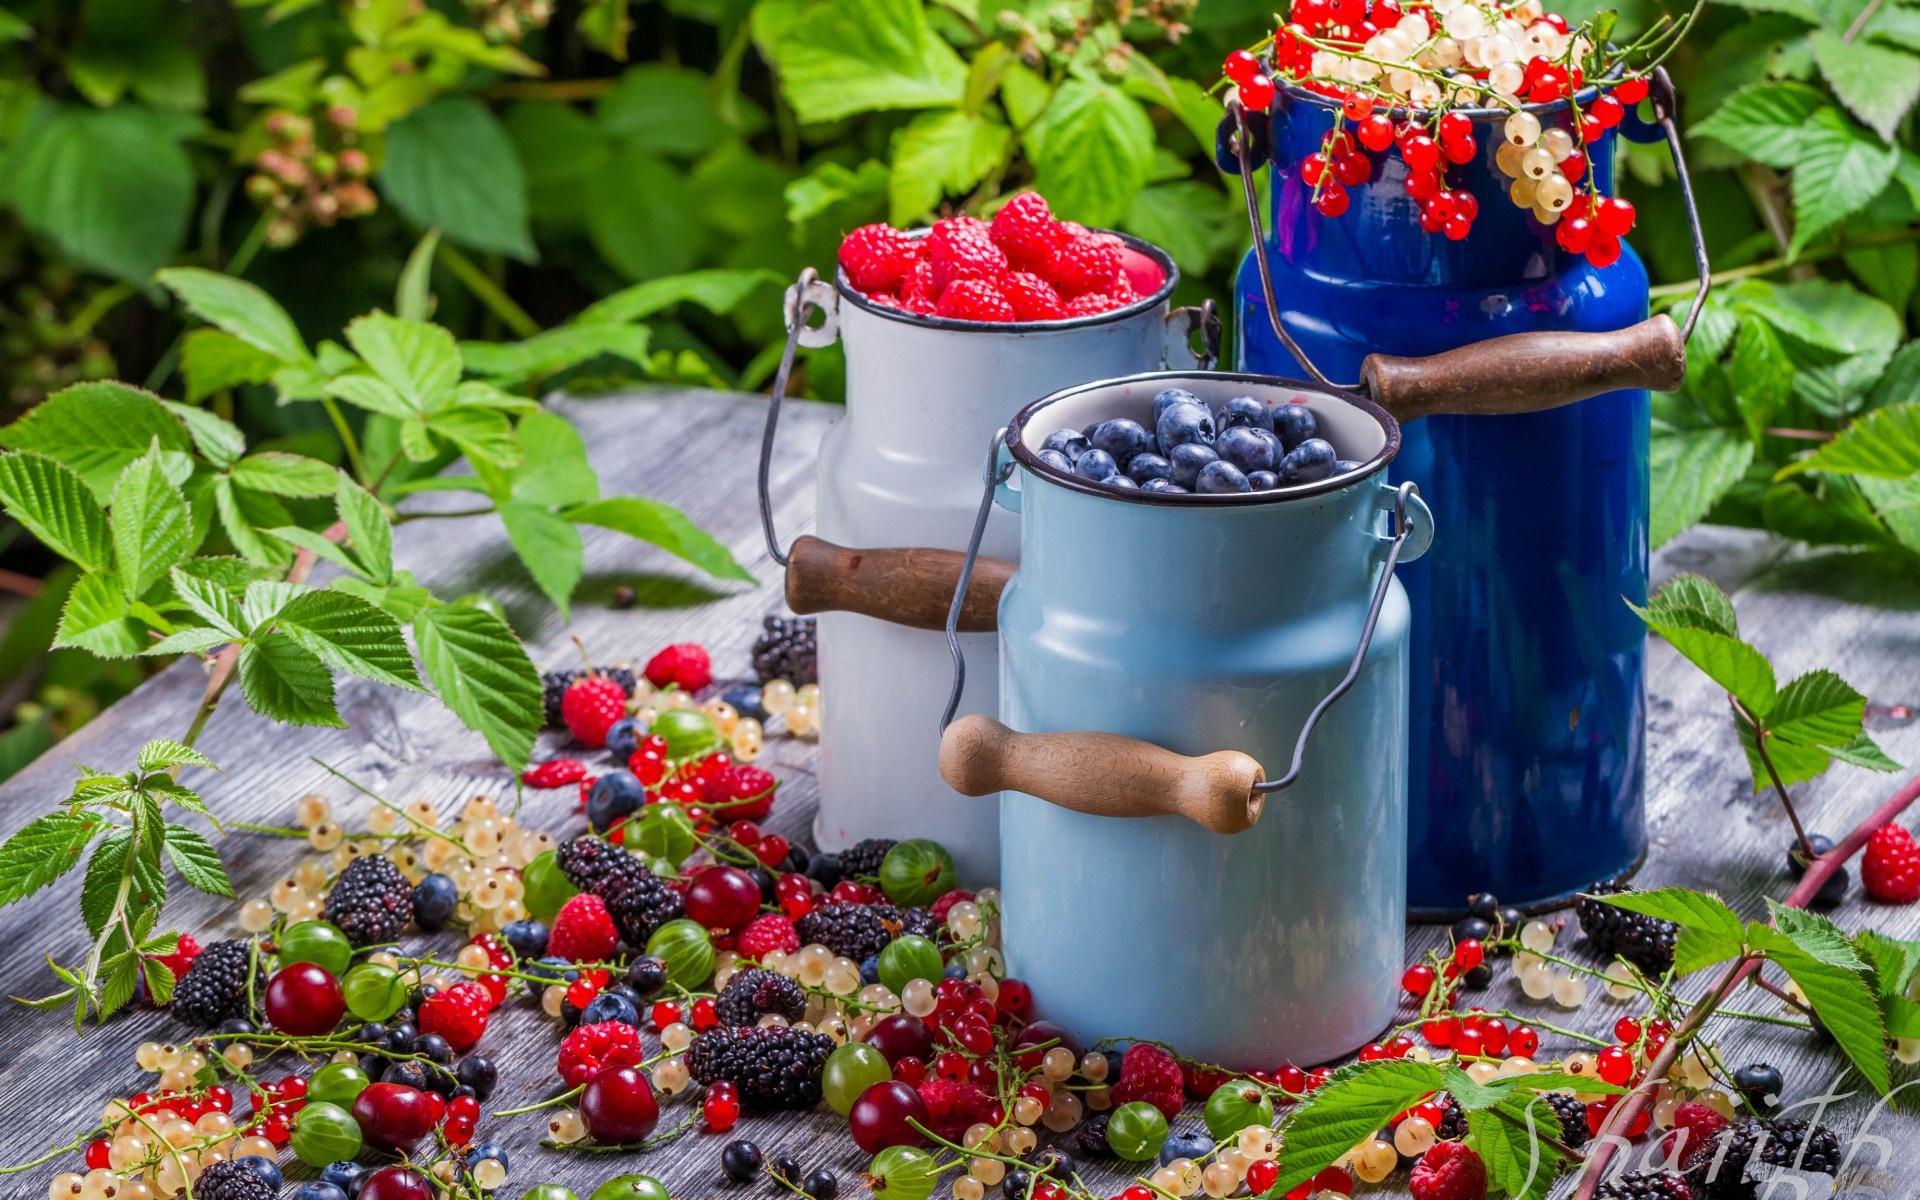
1243	150
996	474
800	305
1664	108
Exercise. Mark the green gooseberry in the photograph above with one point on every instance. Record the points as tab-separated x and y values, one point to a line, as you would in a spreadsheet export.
850	1070
337	1083
547	888
632	1187
316	942
662	831
907	958
687	949
325	1133
1136	1131
373	992
903	1173
1234	1106
688	731
917	872
548	1191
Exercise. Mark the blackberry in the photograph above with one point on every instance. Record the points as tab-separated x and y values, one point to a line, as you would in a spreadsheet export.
862	859
214	989
1644	1185
774	1066
858	931
788	648
232	1180
371	902
589	862
1646	942
554	685
639	902
752	993
1573	1119
1785	1139
1778	1144
1453	1120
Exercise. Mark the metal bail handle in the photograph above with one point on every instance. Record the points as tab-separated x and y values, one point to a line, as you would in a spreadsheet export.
808	295
1183	323
996	472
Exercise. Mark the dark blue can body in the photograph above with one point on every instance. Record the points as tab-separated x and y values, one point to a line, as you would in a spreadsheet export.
1528	673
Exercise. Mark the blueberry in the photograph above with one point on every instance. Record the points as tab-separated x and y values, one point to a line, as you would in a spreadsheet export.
1122	439
647	975
1484	905
741	1161
1121	482
609	1007
528	937
1796	861
1185	1143
1832	892
795	863
433	1047
1162	485
1308	462
1184	423
1295	424
615	794
824	869
1057	461
485	1150
1095	465
346	1174
1148	466
551	968
1245	411
1218	478
265	1168
870	969
319	1189
1249	448
1261	481
1187	459
434	899
764	878
1761	1084
623	738
477	1072
745	698
1170	397
954	970
1067	442
1017	1185
406	1072
1347	466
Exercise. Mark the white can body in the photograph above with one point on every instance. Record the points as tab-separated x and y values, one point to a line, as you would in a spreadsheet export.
902	468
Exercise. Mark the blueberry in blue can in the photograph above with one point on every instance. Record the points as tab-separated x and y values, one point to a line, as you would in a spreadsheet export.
1245	411
1262	481
1182	424
1188	458
1294	423
1096	465
1249	447
1308	462
1149	466
1068	442
1170	397
1218	478
1122	439
1057	461
1121	482
1162	485
614	795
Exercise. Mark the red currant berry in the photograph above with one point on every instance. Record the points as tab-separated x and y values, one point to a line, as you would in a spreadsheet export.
1313	168
648	766
1257	93
721	1107
1240	66
1626	1031
1318	1076
1523	1041
1373	1052
1614	216
1464	205
1495	1037
1440	1031
771	850
99	1153
1386	14
1607	110
1469	1043
664	1013
1375	133
1591	130
910	1070
949	1065
797	906
1353	169
1574	234
1470	953
1615	1065
1332	200
1349	12
1357	107
457	1131
1417	980
1015	997
1603	250
1440	208
1399	1046
1291	1079
1632	91
1429	1111
1453	127
1261	1177
1461	151
976	1036
1420	152
220	1098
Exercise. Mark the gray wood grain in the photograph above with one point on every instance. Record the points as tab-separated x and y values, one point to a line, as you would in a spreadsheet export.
695	450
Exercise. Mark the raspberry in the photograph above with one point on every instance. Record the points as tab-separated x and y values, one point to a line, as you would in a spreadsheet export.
1025	231
182	957
1121	288
591	1048
954	1105
1449	1171
555	772
1149	1073
1032	297
946	233
765	934
968	258
582	930
876	258
744	793
974	300
458	1014
919	293
944	904
590	707
1084	264
1890	868
1091	304
685	666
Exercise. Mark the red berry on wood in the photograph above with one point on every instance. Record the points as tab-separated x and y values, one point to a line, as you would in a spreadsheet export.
618	1106
304	999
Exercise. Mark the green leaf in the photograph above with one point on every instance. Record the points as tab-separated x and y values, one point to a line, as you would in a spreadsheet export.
1895	962
218	440
1843	997
1692	469
482	434
555	469
369	531
99	618
1884	444
160	981
665	109
97	429
854	56
211	599
195	639
1765	122
1879	84
239	308
412	299
213	360
161	753
1839	172
643	215
1863	752
231	505
549	547
264	599
832	184
719	292
484	675
666	527
282	474
284	681
114	189
1817	709
317	544
1345	1110
420	361
197	861
1761	373
349	634
520	364
1518	1164
119	875
1091	149
941	154
449	165
1816	936
56	507
1793	763
152	529
1695	601
45	849
1728	661
1710	931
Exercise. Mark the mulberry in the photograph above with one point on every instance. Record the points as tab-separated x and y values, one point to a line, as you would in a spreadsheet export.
788	649
1573	1119
639	903
862	859
1646	942
371	902
774	1066
232	1180
752	993
589	862
859	931
1637	1185
214	989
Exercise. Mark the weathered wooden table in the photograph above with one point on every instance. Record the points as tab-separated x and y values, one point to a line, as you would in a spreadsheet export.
695	450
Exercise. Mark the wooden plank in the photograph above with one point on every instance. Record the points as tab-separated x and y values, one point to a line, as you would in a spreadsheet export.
695	450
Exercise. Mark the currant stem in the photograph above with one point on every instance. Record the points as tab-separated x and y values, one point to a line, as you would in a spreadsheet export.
562	1098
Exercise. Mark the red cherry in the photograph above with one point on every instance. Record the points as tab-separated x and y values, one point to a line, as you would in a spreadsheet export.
304	999
721	1107
900	1037
1257	93
1333	1179
618	1106
1332	200
723	897
393	1116
1240	66
395	1183
881	1117
1417	980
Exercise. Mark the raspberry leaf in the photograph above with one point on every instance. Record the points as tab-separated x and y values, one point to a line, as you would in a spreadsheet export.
349	634
284	474
152	527
666	527
856	56
44	850
98	618
484	675
239	308
53	502
451	166
197	861
161	753
549	547
369	531
1842	989
1092	150
1345	1110
1508	1138
284	681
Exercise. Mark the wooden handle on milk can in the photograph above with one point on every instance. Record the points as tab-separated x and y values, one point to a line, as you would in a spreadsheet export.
1528	372
905	585
1103	774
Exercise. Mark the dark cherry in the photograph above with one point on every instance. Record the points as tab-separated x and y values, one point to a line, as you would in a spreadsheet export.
901	1036
305	999
395	1183
1046	1031
723	897
393	1116
881	1116
618	1106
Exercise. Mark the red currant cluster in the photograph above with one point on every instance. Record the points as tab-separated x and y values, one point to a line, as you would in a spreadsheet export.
274	1106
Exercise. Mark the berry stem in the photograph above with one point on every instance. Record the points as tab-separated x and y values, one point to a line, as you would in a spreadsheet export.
652	1143
1767	985
1760	735
57	1152
562	1098
422	827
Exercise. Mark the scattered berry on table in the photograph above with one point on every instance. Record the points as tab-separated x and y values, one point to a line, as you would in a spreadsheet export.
1149	1073
232	1180
788	648
554	685
1644	1185
767	933
371	902
583	931
591	706
774	1066
752	993
684	665
1646	942
640	903
856	931
214	989
589	1049
459	1014
862	860
1890	866
1449	1171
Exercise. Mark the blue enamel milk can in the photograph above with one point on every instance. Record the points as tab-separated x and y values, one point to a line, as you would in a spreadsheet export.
1527	691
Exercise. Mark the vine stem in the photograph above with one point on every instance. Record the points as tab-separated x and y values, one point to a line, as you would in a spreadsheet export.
1819	871
1741	713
